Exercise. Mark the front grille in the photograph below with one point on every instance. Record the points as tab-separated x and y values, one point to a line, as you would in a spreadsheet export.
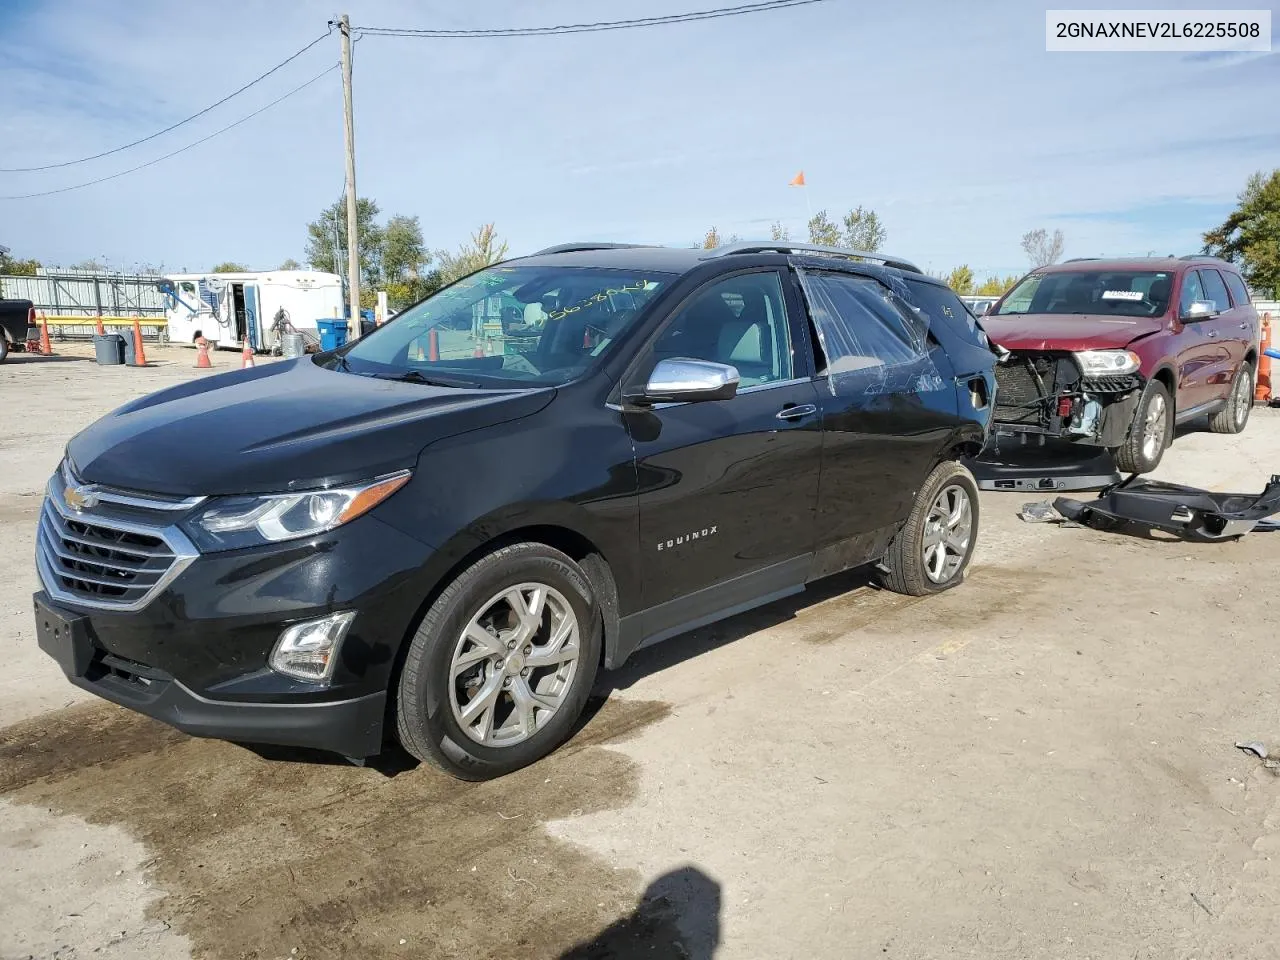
1111	384
96	558
97	561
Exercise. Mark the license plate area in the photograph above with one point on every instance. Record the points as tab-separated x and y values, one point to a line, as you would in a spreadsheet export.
65	637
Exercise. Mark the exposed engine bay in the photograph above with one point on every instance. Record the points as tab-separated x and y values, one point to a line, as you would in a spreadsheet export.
1046	394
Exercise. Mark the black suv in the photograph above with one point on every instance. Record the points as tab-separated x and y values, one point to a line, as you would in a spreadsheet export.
448	526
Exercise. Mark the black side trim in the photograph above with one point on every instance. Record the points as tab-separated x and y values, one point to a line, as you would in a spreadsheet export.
708	605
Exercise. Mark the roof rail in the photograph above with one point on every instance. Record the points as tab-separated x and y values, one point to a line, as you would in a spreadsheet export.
577	247
786	246
1080	259
1203	256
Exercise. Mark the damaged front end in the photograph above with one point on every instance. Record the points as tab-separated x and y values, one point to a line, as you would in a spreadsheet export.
1088	397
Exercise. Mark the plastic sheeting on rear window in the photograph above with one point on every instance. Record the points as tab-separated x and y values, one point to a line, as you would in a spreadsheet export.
872	343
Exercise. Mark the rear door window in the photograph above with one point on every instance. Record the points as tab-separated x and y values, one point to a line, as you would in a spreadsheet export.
871	342
1215	289
942	306
1239	292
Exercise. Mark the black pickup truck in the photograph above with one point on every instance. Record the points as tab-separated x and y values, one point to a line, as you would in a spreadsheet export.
16	317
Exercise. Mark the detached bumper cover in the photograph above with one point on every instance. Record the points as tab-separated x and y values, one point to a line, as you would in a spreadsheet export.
1185	511
350	727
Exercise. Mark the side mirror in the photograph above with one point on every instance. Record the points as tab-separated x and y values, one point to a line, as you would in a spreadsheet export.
1199	310
681	380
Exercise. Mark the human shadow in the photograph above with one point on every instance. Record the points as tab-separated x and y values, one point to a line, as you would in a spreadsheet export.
677	917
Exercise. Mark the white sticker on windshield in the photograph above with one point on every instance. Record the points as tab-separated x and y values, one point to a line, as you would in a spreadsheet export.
1122	295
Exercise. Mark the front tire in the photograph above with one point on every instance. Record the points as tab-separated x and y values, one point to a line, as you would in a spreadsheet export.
4	348
1235	415
501	666
1150	432
931	552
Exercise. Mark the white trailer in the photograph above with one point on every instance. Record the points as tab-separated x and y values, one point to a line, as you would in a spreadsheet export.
229	309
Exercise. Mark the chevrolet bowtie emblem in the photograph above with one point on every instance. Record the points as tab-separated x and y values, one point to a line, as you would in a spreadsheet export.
80	498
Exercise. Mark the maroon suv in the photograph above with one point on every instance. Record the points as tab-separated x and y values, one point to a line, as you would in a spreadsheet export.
1114	353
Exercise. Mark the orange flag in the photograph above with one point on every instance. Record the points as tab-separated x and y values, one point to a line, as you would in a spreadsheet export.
798	181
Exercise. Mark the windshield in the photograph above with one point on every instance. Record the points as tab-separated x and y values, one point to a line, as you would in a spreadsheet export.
508	326
1123	293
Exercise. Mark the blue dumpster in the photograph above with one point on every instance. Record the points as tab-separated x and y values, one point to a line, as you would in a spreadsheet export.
333	333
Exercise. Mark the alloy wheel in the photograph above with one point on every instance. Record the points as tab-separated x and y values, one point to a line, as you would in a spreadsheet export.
514	664
1242	400
1154	428
948	529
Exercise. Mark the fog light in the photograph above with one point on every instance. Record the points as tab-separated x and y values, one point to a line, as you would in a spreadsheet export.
309	650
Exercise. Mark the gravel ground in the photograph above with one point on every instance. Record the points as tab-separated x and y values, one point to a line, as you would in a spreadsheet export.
1038	764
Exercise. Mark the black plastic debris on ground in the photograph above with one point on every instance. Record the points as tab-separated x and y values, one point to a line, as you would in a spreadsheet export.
1186	512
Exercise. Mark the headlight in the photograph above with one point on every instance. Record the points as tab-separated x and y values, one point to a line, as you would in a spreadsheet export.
232	522
1108	363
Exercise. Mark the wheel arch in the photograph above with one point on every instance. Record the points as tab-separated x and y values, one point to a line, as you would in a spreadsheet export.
1164	373
489	534
965	441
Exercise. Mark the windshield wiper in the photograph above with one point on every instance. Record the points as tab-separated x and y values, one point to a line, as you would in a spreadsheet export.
415	376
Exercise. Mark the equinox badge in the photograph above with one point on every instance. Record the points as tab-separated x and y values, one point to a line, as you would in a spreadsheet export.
695	535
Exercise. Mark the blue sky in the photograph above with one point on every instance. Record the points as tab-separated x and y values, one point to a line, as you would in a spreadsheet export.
949	119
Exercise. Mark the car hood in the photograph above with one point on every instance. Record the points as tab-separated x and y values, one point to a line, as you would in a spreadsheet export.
1049	331
289	425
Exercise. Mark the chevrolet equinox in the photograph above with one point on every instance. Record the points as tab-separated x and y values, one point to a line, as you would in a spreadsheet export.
446	528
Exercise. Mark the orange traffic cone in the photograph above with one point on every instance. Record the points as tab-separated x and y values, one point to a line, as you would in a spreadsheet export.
433	345
139	354
246	355
479	351
102	331
1262	388
202	354
45	346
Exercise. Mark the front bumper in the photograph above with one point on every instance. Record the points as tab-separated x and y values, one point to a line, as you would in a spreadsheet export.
195	656
351	727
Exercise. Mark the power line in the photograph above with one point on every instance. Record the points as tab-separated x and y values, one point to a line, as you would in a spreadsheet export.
692	16
196	143
172	126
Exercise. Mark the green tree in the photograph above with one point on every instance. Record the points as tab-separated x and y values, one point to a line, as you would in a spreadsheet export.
863	230
327	241
995	287
1250	235
961	280
17	268
823	230
482	250
229	266
778	233
290	264
405	260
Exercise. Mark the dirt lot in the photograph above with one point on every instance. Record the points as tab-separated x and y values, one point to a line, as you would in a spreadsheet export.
1039	764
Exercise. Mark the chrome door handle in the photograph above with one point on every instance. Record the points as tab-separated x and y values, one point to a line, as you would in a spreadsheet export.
1213	333
797	412
1244	326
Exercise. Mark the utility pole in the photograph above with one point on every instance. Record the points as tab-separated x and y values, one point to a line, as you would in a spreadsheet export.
353	241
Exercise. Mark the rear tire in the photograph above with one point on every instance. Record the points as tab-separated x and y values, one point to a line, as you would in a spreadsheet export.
1150	432
931	552
4	348
1235	415
466	702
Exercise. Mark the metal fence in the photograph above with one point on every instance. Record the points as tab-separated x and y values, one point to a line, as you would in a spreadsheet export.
88	294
